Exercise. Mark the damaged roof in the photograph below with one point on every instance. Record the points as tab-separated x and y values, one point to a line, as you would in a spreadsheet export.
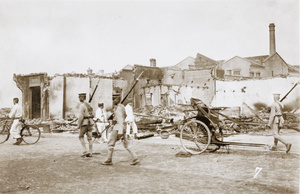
257	59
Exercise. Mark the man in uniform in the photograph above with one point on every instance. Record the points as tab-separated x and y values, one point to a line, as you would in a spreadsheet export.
118	132
85	126
16	114
276	122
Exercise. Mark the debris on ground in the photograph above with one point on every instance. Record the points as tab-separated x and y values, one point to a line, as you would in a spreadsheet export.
158	118
4	112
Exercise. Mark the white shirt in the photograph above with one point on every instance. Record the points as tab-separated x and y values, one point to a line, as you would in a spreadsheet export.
101	114
129	113
16	111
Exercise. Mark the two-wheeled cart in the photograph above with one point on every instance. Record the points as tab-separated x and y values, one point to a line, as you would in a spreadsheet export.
204	131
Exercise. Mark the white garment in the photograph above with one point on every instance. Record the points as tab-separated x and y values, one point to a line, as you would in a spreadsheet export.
101	122
130	120
101	115
129	113
133	125
16	112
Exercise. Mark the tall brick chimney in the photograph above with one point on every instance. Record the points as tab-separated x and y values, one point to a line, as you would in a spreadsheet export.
272	39
152	62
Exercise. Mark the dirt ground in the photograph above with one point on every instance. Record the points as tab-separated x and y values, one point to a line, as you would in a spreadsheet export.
54	165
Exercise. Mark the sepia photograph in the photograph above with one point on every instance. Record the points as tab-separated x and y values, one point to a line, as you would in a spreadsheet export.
149	96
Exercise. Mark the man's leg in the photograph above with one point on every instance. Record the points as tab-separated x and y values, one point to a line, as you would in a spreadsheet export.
126	145
89	134
127	128
15	131
111	144
81	139
135	130
103	131
277	138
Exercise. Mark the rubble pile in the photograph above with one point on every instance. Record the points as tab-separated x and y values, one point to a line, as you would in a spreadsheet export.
59	125
149	117
4	112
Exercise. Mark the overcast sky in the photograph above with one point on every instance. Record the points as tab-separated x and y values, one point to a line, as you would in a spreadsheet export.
65	36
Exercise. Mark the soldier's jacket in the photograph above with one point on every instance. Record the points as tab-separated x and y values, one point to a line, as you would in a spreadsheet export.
276	114
119	118
84	117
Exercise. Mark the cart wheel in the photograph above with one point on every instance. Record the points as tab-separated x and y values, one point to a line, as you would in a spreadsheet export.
164	134
195	137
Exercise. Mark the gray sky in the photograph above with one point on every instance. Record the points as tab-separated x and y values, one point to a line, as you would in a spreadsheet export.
65	36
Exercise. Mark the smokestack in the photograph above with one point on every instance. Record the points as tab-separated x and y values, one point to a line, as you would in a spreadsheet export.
152	62
272	39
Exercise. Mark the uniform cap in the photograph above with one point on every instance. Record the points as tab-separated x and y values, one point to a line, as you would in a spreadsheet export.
100	103
82	94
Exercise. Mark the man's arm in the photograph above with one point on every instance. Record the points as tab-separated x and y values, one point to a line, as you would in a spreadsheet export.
272	115
80	116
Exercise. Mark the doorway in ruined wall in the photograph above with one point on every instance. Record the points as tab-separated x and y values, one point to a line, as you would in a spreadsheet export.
164	99
35	103
149	99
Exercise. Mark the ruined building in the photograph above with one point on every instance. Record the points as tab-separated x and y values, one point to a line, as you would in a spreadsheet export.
56	97
211	80
232	82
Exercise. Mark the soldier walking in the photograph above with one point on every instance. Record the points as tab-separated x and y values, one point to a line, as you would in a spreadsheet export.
118	132
276	122
85	123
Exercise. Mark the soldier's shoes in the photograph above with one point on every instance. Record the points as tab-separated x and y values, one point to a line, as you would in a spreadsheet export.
86	154
135	162
288	147
89	155
107	162
273	148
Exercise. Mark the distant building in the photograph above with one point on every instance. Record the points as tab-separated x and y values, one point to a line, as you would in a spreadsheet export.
265	66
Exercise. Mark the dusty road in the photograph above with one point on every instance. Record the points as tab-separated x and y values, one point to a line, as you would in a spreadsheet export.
54	165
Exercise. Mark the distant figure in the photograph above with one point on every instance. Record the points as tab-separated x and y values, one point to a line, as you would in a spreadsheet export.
130	120
85	123
276	122
118	132
16	114
101	120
